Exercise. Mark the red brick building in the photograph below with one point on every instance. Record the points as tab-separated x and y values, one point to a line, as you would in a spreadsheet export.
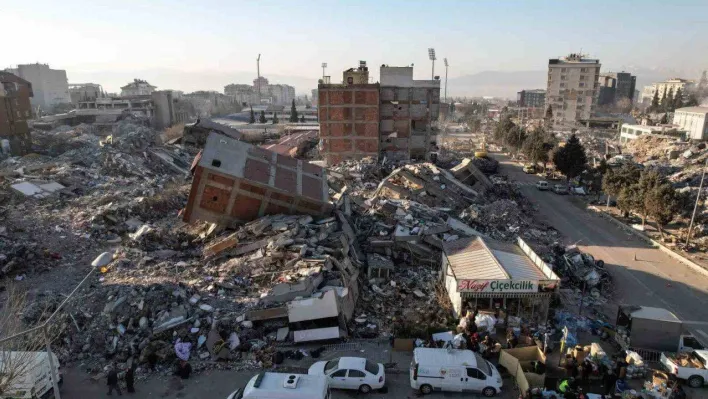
15	110
349	117
238	182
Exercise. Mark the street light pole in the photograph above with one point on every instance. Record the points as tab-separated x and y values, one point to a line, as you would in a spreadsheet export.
324	65
431	56
446	65
695	207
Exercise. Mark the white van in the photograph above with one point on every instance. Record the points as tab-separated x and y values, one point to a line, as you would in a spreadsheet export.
284	386
34	379
456	370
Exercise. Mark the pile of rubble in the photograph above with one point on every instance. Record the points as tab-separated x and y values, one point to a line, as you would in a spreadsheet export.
163	288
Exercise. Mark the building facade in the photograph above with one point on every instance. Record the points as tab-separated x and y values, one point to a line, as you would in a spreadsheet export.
85	92
281	94
572	89
349	118
15	110
137	87
260	85
632	132
694	120
242	93
671	85
531	98
50	86
408	109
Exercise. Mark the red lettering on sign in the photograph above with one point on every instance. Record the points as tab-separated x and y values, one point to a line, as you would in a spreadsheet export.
472	285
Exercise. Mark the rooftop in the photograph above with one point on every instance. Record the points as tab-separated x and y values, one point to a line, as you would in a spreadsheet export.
695	110
485	259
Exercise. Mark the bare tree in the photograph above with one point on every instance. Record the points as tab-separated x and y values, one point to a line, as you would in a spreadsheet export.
18	355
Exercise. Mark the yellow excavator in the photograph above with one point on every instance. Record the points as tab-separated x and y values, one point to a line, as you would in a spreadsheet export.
481	152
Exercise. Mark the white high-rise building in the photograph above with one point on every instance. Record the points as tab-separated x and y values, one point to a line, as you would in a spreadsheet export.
50	86
572	89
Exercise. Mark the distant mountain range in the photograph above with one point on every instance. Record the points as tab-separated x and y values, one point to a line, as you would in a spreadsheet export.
507	84
488	83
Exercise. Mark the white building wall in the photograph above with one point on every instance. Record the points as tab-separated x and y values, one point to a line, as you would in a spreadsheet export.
50	86
572	91
693	122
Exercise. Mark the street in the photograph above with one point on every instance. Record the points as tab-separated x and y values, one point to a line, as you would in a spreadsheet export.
219	384
643	275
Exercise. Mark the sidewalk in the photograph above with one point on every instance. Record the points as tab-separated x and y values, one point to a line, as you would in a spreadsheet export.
699	265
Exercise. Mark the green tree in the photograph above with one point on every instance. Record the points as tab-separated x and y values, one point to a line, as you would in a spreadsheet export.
536	146
293	113
654	102
515	138
504	125
253	117
275	118
663	101
668	101
678	99
661	204
664	119
570	159
302	118
452	108
615	180
262	118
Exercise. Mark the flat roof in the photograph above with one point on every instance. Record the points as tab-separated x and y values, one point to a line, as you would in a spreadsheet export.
486	259
646	312
274	384
696	110
444	357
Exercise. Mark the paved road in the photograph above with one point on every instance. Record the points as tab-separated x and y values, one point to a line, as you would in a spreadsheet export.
219	384
643	275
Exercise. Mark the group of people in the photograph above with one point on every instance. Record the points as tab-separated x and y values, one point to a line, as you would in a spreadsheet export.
182	369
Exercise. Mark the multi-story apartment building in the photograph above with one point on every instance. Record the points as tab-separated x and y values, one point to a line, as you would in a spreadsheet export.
572	89
669	85
392	119
50	86
260	85
15	110
408	108
615	86
137	87
694	120
242	93
531	98
281	94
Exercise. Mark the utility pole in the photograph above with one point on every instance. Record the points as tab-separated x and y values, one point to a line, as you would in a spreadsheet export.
446	65
431	56
258	72
324	65
695	207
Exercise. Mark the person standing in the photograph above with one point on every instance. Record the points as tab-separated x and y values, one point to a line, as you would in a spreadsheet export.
586	370
184	369
112	380
130	379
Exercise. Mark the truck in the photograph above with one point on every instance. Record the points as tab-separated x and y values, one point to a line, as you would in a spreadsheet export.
650	331
33	378
691	367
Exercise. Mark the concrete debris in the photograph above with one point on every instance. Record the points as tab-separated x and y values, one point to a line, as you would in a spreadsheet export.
265	257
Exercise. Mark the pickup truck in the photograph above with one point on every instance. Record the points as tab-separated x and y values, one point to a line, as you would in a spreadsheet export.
691	367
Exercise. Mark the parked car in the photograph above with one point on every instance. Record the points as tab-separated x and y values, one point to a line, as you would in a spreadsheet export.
542	185
560	189
529	169
351	373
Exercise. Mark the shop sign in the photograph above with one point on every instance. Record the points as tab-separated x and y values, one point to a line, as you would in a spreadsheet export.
497	286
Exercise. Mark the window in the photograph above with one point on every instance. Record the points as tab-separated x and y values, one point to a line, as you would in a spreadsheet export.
583	69
562	85
356	374
371	367
582	84
331	365
564	69
692	343
216	163
474	373
483	365
582	77
339	373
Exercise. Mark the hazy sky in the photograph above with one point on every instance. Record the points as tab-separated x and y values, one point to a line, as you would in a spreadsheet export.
222	37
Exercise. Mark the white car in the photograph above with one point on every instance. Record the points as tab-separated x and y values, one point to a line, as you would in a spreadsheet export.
542	185
351	373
